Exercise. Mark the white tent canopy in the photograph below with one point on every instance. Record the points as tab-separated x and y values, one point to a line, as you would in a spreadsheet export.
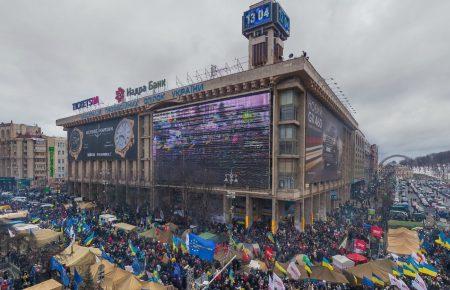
342	262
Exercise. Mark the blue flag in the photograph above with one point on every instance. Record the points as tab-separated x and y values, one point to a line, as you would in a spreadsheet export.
64	277
200	247
77	279
137	268
107	257
367	282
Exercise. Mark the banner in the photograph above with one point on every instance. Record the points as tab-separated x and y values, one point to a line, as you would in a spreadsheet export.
202	248
293	271
111	140
376	231
360	246
323	141
51	153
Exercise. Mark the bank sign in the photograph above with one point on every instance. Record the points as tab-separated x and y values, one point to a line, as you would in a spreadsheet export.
152	86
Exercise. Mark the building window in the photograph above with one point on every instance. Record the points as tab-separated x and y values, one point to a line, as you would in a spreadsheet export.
288	139
288	106
287	173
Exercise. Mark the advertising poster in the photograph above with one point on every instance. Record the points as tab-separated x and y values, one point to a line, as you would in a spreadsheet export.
111	139
51	152
225	142
324	143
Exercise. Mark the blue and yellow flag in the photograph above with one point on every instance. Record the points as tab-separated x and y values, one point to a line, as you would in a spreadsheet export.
377	280
133	249
308	269
89	239
270	237
427	269
280	268
326	263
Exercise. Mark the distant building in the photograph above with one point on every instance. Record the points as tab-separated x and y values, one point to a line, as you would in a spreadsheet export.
24	154
373	161
403	172
57	158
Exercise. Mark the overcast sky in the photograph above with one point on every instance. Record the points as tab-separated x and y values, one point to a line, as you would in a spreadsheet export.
392	58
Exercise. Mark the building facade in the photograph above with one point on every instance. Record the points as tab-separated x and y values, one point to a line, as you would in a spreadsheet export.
25	155
269	143
57	159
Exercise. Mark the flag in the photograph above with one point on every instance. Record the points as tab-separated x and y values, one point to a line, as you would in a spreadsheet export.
11	234
280	268
133	249
397	282
366	226
89	239
231	275
343	245
202	248
428	269
394	257
367	282
376	231
360	246
326	263
308	269
398	272
275	283
174	246
419	284
77	279
107	257
137	268
407	271
377	280
269	254
293	271
270	237
35	220
184	247
307	261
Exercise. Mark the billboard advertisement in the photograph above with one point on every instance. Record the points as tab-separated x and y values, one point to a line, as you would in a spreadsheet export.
111	139
224	142
323	142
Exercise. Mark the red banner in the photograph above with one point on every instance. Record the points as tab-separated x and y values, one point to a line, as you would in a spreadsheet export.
376	231
360	246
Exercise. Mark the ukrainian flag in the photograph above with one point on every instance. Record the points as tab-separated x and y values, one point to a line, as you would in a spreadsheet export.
89	239
409	272
133	249
270	237
280	268
308	269
326	263
428	270
398	272
377	280
184	249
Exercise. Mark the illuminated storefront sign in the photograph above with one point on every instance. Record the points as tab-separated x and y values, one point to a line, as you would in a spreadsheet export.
152	86
86	103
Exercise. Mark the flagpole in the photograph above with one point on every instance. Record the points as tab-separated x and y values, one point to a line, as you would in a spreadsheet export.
218	273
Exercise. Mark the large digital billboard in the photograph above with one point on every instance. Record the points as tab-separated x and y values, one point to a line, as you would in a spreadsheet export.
111	139
323	142
224	142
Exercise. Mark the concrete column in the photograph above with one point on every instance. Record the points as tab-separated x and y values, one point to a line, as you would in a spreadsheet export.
315	202
248	211
226	209
298	215
274	224
307	210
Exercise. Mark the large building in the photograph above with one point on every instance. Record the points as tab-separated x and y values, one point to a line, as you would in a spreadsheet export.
28	157
267	143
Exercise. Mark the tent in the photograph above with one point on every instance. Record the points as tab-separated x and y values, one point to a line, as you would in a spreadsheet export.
172	227
357	258
125	227
155	286
86	205
43	237
157	234
342	262
15	215
381	268
47	285
5	207
79	257
24	228
402	241
107	218
322	273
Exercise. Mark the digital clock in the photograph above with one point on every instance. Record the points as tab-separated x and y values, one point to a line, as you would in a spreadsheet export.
283	20
257	16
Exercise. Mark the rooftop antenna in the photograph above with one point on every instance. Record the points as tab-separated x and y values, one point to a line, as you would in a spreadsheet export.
189	79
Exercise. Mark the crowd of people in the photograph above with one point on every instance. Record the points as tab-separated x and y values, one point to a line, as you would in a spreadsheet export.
170	264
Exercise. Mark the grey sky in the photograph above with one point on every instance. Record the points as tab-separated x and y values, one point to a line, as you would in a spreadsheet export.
390	57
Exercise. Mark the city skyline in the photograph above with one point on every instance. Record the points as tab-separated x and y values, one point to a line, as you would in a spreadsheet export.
53	58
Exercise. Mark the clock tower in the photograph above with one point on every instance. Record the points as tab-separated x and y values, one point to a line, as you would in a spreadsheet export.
266	26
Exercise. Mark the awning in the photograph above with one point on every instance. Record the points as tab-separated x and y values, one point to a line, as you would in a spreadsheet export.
124	227
402	241
357	258
322	273
46	285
